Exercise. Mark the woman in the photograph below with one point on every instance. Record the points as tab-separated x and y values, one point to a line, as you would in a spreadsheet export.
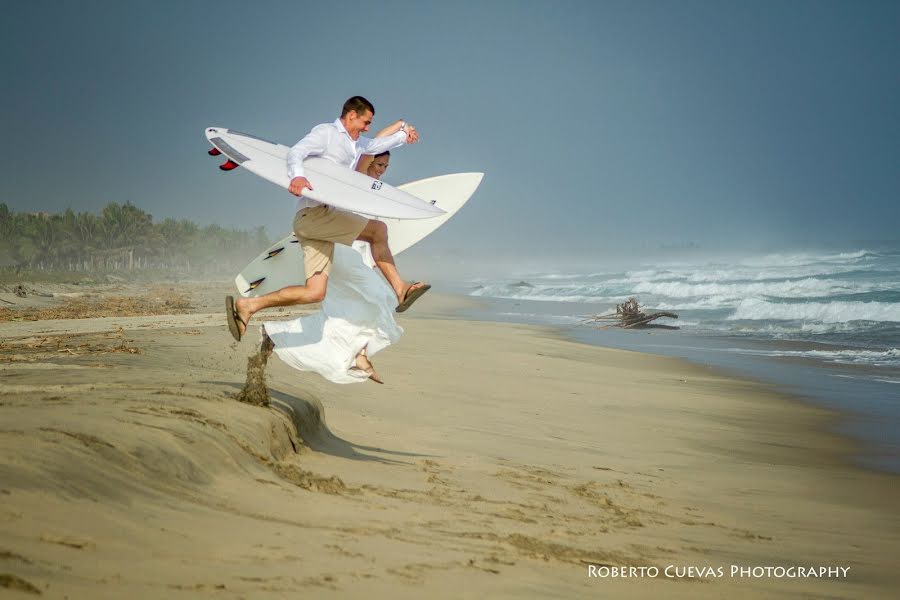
355	321
374	166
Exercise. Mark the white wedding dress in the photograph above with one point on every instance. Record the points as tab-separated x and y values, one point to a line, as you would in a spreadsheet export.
357	313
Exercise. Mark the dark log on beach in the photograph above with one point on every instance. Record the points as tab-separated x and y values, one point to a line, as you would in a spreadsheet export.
647	318
21	291
629	315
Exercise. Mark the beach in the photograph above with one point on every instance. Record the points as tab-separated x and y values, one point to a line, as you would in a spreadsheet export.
499	461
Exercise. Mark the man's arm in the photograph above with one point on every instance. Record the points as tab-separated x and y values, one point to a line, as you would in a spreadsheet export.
314	143
366	159
412	136
390	137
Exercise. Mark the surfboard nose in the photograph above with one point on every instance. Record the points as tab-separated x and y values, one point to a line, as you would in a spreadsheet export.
214	131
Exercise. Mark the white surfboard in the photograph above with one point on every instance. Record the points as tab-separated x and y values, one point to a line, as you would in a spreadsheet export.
333	184
282	263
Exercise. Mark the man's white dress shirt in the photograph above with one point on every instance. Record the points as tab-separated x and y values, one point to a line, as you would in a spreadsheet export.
331	141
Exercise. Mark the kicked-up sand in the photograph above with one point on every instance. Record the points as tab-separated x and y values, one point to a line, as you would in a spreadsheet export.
498	461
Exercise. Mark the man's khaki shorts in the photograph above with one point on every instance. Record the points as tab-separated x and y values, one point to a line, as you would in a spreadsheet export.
318	228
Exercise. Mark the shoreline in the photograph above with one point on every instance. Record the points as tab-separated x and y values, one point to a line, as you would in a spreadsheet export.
498	457
848	450
791	378
851	425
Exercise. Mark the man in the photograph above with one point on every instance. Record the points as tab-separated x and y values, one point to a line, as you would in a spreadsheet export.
318	226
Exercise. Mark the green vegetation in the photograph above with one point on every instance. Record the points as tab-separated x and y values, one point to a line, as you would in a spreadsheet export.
122	238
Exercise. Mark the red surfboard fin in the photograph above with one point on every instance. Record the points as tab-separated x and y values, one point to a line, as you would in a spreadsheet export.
274	252
254	285
214	152
228	165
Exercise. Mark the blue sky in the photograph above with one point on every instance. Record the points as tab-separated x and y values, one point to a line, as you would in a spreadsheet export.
602	127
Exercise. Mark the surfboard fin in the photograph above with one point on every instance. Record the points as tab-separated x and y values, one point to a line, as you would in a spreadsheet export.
229	165
214	152
274	252
255	284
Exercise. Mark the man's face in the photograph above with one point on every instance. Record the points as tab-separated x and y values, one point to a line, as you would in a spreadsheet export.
357	124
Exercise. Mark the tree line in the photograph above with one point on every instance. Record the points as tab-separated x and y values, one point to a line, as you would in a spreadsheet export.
121	237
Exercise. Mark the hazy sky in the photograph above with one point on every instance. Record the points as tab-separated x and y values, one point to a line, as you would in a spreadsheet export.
599	125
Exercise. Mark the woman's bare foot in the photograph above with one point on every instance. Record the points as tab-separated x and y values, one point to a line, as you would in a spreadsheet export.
364	365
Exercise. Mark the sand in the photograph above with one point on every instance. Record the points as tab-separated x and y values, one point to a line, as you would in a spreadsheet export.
498	461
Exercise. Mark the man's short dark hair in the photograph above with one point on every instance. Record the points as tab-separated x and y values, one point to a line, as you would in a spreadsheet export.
385	153
357	104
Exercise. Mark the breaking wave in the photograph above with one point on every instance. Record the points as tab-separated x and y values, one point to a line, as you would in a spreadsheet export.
868	357
802	288
830	312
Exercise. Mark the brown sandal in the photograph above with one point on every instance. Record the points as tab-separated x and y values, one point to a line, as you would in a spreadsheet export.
412	295
233	318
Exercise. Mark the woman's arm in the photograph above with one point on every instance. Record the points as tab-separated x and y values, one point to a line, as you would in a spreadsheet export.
391	129
366	159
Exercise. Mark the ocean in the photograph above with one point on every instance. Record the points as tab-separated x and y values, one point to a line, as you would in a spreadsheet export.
822	326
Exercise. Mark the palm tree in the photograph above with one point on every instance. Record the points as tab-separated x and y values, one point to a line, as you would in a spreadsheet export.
122	231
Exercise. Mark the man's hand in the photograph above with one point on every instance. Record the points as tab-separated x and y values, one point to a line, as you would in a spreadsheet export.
297	185
412	136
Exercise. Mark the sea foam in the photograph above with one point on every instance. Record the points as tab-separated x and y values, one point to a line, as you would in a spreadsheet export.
831	312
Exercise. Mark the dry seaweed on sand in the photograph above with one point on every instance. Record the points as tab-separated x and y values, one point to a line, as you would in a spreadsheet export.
629	315
155	302
51	347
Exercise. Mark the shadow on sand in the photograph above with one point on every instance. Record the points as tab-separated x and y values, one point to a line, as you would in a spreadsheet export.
308	416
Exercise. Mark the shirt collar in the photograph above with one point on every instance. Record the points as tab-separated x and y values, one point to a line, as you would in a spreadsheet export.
340	127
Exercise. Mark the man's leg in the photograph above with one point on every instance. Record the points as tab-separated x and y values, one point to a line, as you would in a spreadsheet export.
376	234
313	291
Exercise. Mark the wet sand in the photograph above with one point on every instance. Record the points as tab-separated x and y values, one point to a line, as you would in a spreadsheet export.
498	461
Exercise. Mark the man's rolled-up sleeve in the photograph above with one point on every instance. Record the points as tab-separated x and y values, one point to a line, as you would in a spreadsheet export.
314	143
382	144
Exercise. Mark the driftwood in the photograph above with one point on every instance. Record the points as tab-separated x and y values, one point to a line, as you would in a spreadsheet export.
629	315
21	291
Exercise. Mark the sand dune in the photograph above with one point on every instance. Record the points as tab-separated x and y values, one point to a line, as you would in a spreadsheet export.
498	461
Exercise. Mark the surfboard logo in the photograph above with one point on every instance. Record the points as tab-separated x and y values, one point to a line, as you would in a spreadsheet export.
376	185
